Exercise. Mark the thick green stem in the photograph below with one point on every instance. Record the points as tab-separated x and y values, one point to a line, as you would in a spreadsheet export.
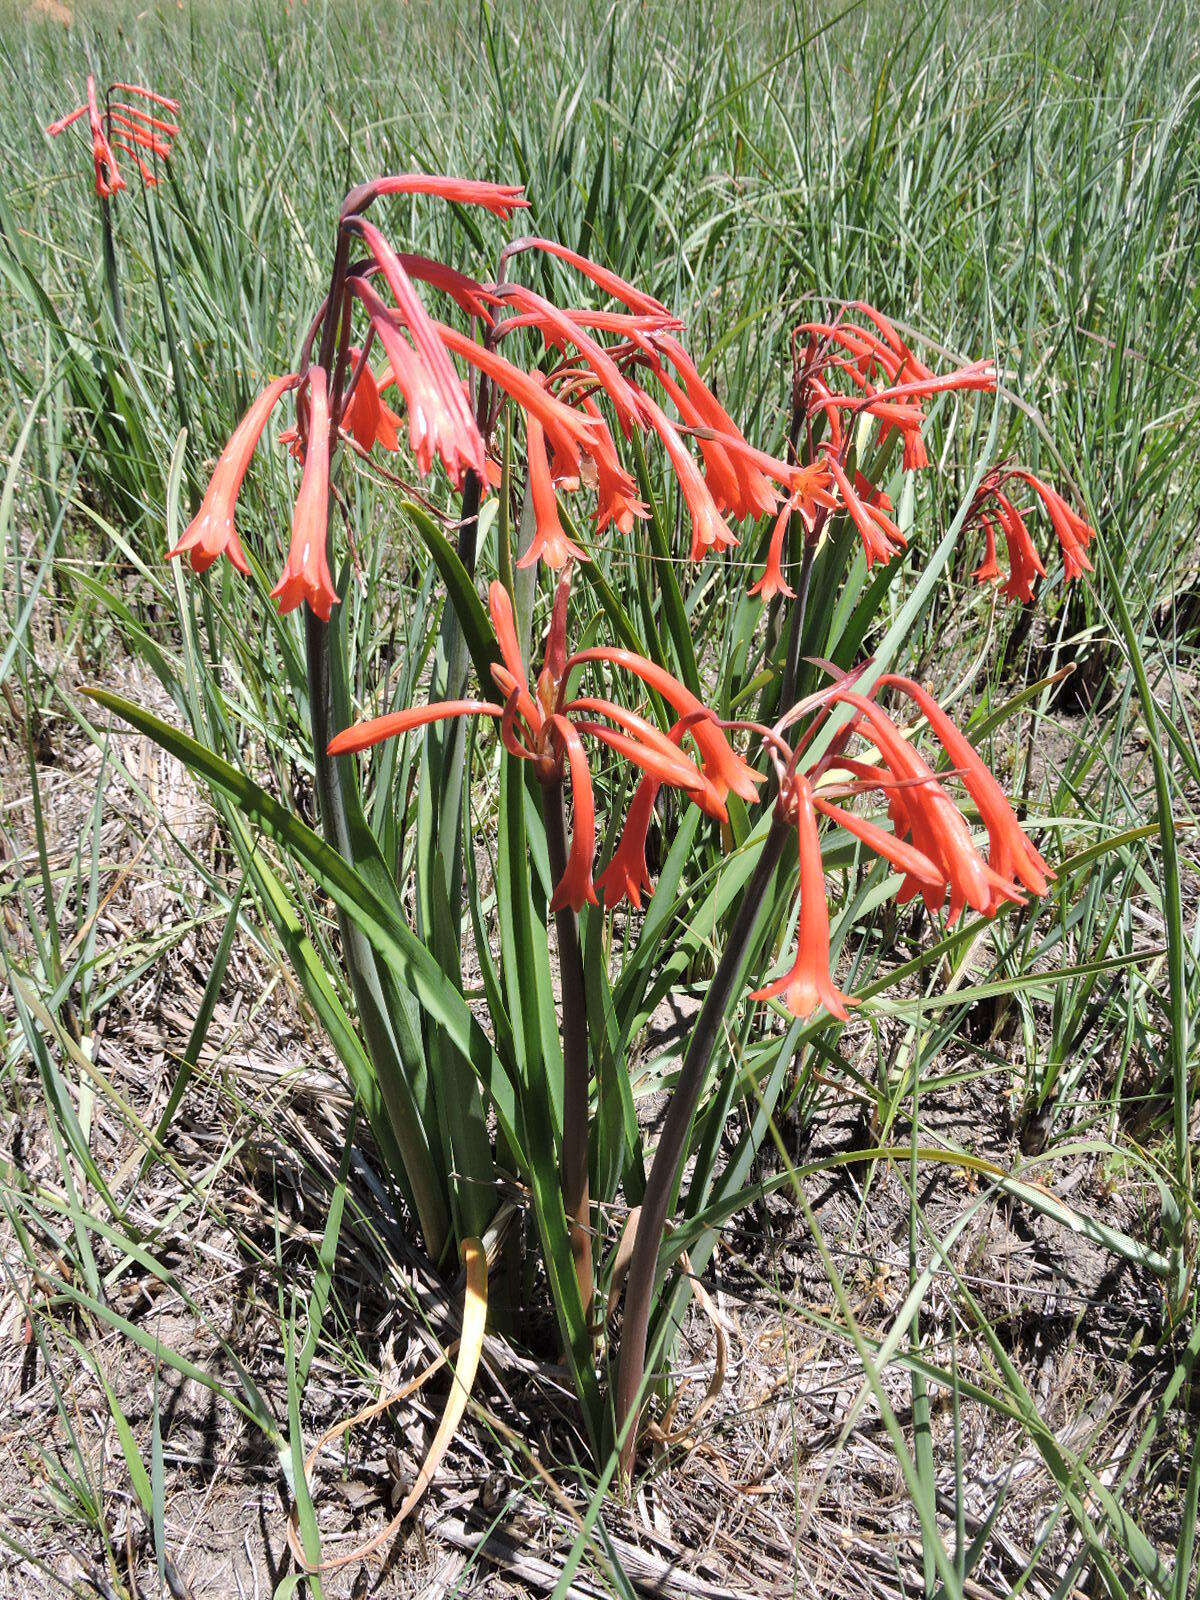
335	825
664	1172
576	1200
791	666
111	281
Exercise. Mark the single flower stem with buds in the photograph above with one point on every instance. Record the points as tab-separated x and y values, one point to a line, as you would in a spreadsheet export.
664	1171
576	1200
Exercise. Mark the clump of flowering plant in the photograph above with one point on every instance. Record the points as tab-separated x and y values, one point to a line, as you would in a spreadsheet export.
137	122
544	1094
123	126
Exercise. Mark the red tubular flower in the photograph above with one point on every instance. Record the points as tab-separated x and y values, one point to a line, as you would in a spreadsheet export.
809	490
501	199
362	414
470	297
616	492
709	531
211	531
134	133
434	427
1024	563
171	129
754	495
1072	531
773	582
989	568
108	178
550	542
459	442
147	94
920	805
306	572
575	888
880	536
1011	854
992	505
634	299
543	728
635	327
136	129
724	769
565	429
626	877
886	845
808	984
720	475
560	328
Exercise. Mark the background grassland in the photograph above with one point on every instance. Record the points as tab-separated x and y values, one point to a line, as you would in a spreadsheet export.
1019	179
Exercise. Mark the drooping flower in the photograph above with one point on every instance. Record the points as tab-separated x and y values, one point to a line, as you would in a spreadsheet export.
746	488
305	574
550	542
709	530
566	431
458	440
992	504
135	130
725	771
808	983
108	178
543	726
560	328
809	493
616	493
635	299
920	806
627	876
773	582
1011	853
501	199
211	532
868	510
941	858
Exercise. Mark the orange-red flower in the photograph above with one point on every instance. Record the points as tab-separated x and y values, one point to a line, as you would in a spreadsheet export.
941	857
541	725
809	492
709	530
626	876
868	509
135	130
457	437
501	199
1011	853
808	983
773	582
635	299
211	532
306	571
725	771
550	542
992	505
560	328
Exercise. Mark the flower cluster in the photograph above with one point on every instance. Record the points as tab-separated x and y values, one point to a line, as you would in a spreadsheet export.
542	725
122	126
888	383
569	444
930	841
606	374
